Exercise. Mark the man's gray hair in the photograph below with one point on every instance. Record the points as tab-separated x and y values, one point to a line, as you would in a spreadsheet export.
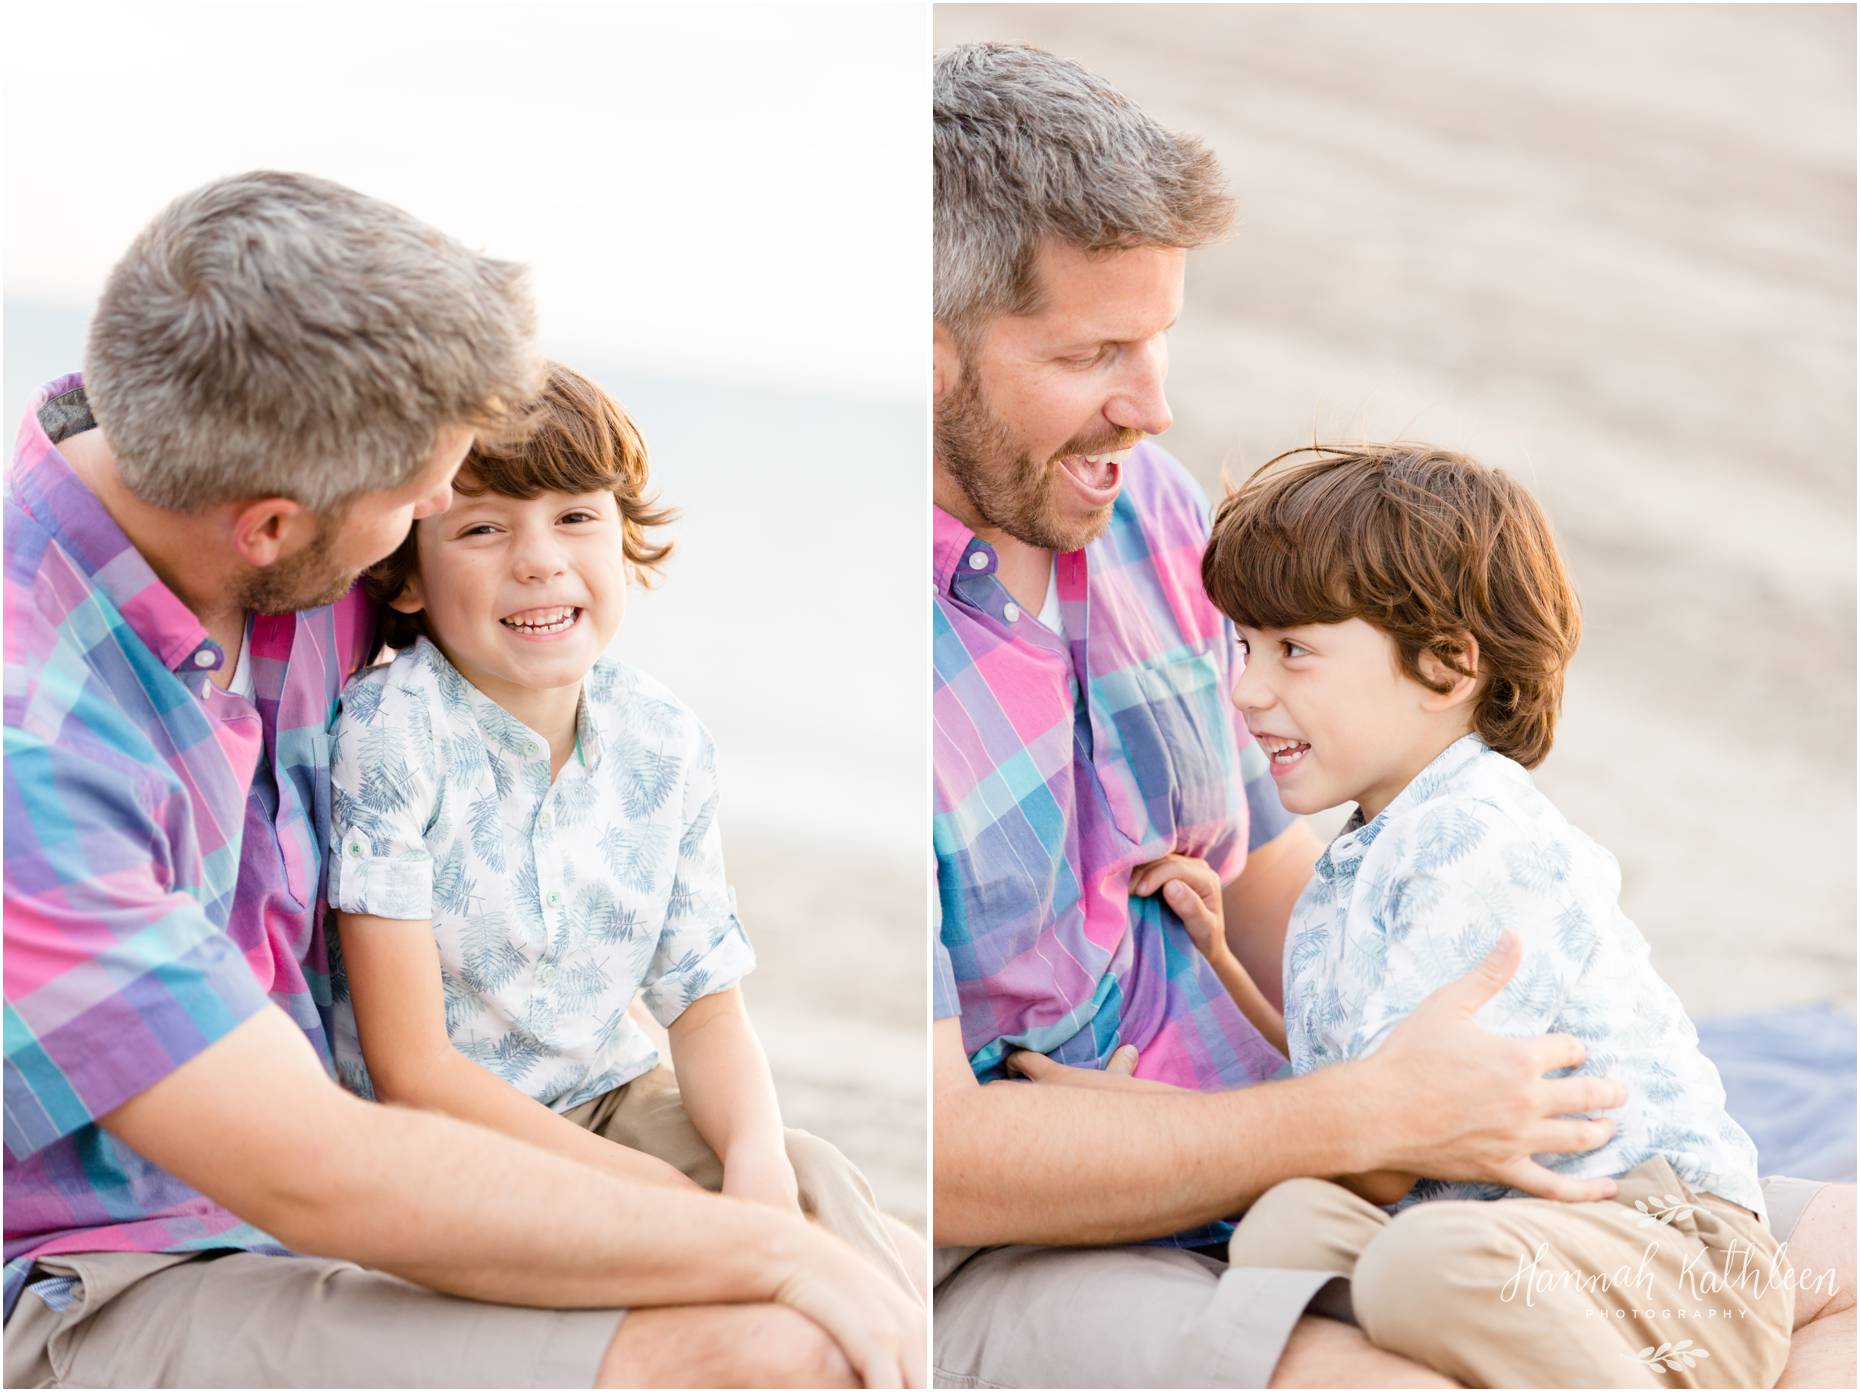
281	335
1030	147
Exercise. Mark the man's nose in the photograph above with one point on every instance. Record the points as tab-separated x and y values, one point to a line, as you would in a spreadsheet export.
433	503
1140	403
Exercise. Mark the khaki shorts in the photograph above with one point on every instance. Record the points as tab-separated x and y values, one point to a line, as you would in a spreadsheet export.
238	1319
1532	1293
1146	1316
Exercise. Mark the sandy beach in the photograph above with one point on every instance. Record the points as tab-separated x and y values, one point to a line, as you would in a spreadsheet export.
1611	249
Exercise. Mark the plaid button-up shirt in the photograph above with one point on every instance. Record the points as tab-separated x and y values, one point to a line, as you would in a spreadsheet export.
164	852
1061	763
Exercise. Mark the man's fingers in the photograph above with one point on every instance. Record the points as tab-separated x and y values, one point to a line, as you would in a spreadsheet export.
1533	1178
1029	1064
1566	1137
1124	1061
1555	1051
1484	981
1564	1095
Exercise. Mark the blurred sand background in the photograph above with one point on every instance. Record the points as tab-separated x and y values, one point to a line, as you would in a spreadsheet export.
1611	249
672	188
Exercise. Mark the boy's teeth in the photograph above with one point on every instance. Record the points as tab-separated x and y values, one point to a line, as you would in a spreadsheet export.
542	620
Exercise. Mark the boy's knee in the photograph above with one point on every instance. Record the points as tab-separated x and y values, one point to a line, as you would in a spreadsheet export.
1427	1261
1277	1230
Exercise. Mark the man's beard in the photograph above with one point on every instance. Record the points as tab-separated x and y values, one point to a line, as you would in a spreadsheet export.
1008	489
308	580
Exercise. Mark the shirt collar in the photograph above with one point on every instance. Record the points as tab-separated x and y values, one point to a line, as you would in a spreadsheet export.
1357	836
49	491
951	543
504	730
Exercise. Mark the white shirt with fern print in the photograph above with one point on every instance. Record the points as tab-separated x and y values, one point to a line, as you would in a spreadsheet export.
552	904
1416	897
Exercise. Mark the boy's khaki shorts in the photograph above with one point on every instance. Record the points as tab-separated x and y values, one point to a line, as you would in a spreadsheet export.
237	1319
1531	1293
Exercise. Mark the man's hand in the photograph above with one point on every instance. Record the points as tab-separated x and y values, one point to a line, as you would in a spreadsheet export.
1116	1073
1459	1102
877	1326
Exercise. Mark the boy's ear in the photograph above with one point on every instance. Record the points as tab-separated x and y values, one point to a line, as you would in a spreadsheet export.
1461	686
409	600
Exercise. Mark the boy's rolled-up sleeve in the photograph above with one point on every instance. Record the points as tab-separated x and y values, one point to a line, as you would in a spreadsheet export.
702	948
383	780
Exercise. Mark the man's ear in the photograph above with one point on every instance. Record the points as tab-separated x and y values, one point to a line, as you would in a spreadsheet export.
946	363
266	530
1462	686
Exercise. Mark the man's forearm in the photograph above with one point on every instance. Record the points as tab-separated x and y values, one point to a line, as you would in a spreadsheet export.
1019	1162
513	1223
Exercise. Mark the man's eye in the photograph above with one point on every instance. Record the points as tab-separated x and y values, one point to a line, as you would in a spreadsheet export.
1089	359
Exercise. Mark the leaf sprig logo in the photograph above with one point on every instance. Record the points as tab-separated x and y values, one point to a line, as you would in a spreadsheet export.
1662	1209
1671	1357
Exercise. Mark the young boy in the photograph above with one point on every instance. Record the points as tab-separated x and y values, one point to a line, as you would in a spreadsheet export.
1406	621
525	838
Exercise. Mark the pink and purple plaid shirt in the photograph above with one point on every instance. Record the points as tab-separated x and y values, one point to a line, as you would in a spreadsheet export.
164	853
1048	793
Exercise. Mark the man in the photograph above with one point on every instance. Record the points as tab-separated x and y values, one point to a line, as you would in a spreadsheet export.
282	375
1081	731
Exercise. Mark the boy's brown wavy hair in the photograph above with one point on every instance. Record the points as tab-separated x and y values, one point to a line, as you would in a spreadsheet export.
577	440
1426	545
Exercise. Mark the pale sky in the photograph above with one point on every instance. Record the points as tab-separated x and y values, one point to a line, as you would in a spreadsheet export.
721	192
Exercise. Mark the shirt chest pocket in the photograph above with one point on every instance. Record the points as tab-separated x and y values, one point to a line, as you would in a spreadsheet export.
1167	757
301	818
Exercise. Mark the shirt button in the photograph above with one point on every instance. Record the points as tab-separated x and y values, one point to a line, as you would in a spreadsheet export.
978	561
545	821
355	848
205	658
530	749
554	898
1011	612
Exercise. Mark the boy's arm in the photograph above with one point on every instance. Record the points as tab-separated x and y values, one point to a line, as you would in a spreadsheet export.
1193	891
255	1123
400	1013
723	1077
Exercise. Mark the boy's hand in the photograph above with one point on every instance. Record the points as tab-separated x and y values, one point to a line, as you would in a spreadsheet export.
764	1177
1190	887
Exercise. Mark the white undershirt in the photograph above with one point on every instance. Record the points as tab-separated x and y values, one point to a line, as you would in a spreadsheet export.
1049	611
240	683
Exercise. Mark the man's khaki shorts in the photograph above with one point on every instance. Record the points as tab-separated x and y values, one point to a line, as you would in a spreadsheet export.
237	1319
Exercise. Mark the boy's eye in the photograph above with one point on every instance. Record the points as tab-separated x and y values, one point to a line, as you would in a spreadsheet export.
1292	649
480	529
1245	651
580	515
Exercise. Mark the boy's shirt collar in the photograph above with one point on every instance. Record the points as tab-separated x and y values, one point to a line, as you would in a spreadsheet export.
1357	836
505	730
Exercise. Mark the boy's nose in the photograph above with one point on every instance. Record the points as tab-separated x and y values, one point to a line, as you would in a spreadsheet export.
1250	692
537	560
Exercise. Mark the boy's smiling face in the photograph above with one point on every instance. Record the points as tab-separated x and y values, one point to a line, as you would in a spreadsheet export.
1338	718
521	594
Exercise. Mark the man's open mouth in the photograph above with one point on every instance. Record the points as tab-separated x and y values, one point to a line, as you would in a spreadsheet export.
1097	475
554	620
